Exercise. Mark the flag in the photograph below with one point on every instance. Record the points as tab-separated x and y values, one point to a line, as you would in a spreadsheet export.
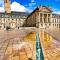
39	52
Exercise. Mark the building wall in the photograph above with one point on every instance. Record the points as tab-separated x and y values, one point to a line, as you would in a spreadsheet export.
10	21
56	20
43	18
32	19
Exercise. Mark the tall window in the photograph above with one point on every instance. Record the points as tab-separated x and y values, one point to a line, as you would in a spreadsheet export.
41	18
55	20
45	18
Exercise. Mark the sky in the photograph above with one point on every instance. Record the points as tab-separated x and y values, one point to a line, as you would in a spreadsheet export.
30	5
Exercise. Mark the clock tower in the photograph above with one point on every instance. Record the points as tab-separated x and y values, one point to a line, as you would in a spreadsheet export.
7	6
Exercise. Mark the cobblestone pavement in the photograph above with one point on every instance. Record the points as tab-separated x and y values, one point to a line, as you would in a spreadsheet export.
51	46
54	32
13	46
17	43
31	37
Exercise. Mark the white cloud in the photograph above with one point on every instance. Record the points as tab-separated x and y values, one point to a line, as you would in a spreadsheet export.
32	4
2	9
14	7
56	12
32	0
1	6
18	7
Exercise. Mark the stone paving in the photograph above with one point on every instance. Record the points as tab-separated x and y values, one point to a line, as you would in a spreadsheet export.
17	43
51	47
54	32
13	46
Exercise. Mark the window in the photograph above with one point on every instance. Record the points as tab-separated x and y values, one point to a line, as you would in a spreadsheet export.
57	25
55	20
49	24
42	25
49	20
12	19
40	15
8	19
4	26
41	20
45	24
12	24
53	24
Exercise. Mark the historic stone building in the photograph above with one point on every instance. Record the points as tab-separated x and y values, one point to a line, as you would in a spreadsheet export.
43	17
10	18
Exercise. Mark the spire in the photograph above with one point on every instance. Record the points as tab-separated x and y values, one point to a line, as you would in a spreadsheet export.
39	53
7	6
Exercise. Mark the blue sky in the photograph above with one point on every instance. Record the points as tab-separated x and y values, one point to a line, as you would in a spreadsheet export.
30	5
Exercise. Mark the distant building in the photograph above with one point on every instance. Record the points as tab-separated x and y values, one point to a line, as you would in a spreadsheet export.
43	17
12	20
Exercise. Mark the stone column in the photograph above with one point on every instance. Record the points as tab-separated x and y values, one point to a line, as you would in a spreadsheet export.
39	18
43	18
51	23
47	17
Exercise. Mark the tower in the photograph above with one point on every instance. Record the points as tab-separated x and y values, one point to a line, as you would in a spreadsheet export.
7	6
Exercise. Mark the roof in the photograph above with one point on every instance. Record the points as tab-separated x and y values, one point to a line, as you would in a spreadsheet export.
46	8
33	12
38	9
14	14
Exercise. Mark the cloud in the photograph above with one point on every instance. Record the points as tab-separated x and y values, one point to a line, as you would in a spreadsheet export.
18	7
32	0
2	6
56	11
2	9
32	3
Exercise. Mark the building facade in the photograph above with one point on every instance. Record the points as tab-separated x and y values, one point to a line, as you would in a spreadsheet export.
12	20
43	17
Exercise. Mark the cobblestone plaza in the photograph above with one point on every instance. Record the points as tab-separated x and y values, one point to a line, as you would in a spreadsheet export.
17	43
